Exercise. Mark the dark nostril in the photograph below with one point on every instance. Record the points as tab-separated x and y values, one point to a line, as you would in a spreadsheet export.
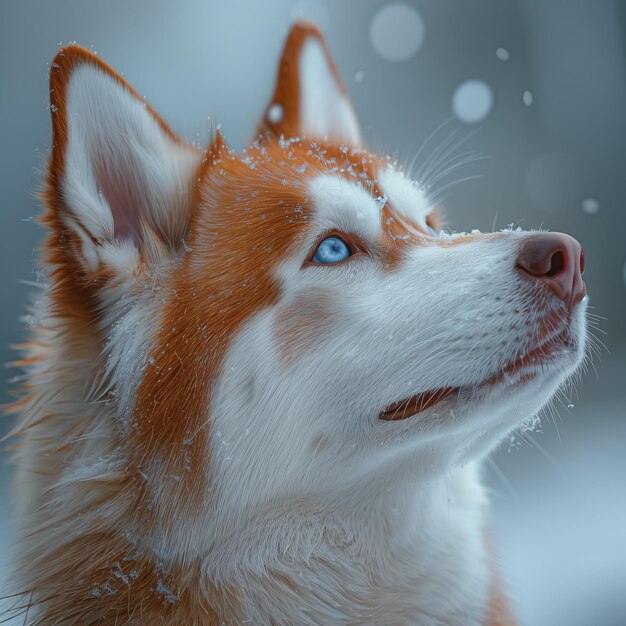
582	262
557	263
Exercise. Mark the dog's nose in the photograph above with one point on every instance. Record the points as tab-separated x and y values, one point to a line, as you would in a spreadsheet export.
557	260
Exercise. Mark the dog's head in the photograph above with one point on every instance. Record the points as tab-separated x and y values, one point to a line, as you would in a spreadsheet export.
291	320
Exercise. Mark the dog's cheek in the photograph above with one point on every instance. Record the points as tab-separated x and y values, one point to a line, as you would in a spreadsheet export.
304	323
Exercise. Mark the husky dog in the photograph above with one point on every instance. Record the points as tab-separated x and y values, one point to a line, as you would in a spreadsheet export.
259	387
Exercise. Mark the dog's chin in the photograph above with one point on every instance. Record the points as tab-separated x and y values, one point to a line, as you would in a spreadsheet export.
550	362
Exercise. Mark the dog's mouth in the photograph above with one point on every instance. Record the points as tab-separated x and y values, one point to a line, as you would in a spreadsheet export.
527	367
417	403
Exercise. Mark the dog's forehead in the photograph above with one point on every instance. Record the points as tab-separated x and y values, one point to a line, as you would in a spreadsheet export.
349	187
342	204
288	189
366	203
405	196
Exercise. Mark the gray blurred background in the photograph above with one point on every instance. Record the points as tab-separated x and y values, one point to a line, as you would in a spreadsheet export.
536	86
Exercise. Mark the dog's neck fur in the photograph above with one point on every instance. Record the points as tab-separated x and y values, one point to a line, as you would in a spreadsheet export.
404	553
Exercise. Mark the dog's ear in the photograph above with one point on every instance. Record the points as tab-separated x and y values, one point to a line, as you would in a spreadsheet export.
119	187
310	98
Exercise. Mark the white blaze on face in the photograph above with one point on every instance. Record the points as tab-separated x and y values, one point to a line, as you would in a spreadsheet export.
406	197
345	206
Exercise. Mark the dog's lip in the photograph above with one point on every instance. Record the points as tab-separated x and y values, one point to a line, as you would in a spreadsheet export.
542	354
416	404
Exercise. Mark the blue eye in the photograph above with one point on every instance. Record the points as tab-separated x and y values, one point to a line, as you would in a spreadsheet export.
331	250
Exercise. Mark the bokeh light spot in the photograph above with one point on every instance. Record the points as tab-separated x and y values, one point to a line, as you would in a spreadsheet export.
528	98
472	101
503	54
397	32
590	206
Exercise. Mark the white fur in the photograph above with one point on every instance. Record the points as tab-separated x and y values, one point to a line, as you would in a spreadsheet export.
131	324
110	129
344	206
405	195
65	377
325	112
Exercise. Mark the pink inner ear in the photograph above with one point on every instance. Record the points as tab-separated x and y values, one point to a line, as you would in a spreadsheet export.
117	190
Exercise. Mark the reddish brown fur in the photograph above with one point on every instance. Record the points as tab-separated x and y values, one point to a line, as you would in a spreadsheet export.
498	611
111	581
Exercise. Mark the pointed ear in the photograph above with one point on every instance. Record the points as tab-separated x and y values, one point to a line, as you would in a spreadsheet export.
119	186
310	98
